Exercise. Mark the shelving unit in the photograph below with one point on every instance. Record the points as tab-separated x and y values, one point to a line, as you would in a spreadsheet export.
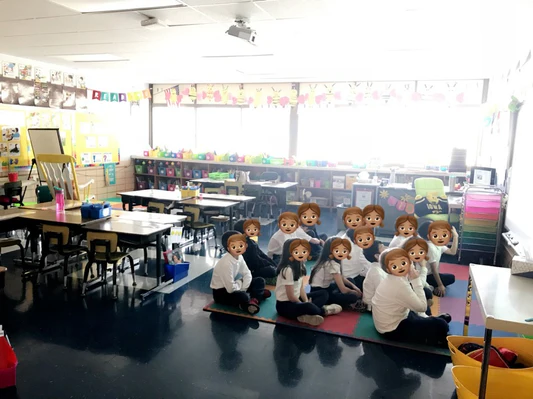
317	180
481	221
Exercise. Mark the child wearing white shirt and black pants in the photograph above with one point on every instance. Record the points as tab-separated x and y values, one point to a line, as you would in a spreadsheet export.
291	299
232	281
288	223
398	300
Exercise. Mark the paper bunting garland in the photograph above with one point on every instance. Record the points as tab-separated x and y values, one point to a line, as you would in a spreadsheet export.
121	97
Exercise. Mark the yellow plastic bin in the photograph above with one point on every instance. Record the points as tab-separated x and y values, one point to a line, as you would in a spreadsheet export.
523	347
501	383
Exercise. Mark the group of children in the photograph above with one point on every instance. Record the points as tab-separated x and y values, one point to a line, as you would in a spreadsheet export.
354	271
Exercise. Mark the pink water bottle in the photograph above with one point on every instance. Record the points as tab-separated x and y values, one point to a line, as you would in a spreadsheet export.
60	199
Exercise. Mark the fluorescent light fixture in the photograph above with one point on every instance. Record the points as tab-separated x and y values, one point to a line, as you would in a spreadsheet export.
91	57
92	6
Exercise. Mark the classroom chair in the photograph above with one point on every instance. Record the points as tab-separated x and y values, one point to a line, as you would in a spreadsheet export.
192	224
103	251
59	171
155	207
12	194
270	176
57	240
212	190
430	188
10	242
232	187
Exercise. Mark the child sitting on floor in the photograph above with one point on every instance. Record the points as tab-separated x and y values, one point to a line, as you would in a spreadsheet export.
327	274
417	248
352	218
232	282
374	216
355	267
258	262
439	235
398	300
291	300
374	276
309	214
288	223
406	226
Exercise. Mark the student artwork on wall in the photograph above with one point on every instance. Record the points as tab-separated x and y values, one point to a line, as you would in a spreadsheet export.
13	147
215	94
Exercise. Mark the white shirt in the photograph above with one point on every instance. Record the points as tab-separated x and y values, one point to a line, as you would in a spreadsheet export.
423	272
393	300
398	241
435	252
275	245
372	280
283	281
324	276
225	272
358	265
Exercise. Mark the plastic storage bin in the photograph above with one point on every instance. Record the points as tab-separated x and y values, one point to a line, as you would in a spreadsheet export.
196	174
163	185
501	383
140	169
523	347
187	173
8	364
151	170
176	272
171	172
162	171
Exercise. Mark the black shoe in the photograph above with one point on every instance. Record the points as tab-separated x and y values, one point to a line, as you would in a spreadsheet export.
446	317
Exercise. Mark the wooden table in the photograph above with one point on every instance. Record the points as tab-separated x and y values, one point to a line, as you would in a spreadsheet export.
506	301
211	203
143	197
142	231
67	218
162	218
43	206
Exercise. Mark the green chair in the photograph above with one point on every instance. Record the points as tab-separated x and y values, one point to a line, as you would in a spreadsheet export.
429	189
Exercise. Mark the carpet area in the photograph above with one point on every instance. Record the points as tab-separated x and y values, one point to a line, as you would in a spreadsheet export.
361	326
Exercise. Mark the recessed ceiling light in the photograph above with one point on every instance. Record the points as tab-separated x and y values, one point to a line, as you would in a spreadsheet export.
91	57
89	6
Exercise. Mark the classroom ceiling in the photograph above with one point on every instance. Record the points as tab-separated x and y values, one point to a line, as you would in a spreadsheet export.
298	40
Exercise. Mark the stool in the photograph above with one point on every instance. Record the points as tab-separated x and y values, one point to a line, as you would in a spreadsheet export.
12	241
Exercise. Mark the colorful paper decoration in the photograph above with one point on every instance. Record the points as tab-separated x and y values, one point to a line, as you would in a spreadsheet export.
114	97
96	95
122	97
104	96
146	94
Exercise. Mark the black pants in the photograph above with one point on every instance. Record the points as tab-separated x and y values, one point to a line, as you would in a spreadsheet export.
446	278
291	310
429	295
265	272
358	281
240	298
336	296
420	330
276	258
316	249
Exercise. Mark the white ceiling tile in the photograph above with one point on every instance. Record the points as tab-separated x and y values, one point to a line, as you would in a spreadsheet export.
110	5
180	16
14	10
284	9
231	12
194	3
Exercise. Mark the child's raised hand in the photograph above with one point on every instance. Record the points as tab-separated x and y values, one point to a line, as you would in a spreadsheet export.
454	233
413	273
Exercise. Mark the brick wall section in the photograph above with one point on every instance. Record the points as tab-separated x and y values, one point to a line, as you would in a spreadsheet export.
124	180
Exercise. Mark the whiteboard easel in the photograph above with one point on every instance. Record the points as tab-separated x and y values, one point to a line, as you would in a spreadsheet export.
44	141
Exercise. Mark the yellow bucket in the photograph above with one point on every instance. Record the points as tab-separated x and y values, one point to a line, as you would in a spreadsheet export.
523	347
501	383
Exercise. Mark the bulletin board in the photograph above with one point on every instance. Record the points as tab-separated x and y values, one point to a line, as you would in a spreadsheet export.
14	141
95	141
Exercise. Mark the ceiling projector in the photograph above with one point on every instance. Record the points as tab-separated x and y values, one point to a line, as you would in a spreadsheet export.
241	31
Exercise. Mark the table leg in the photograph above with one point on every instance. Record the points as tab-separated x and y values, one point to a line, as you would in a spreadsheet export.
245	209
485	364
158	258
130	204
231	218
467	308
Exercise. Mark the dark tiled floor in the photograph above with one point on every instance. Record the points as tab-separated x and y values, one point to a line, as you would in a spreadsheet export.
169	348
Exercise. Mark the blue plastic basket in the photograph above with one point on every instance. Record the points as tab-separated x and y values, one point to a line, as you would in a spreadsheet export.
176	272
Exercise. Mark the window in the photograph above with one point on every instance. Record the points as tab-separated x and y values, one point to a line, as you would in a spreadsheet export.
174	127
417	134
265	130
218	129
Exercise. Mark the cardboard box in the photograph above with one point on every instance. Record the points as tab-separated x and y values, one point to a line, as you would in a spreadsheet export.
338	182
350	180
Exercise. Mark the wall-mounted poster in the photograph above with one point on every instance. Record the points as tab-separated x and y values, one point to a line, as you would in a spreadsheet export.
56	77
9	69
86	158
25	72
26	92
42	75
81	83
69	80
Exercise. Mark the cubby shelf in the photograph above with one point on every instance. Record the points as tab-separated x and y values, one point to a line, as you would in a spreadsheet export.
288	173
